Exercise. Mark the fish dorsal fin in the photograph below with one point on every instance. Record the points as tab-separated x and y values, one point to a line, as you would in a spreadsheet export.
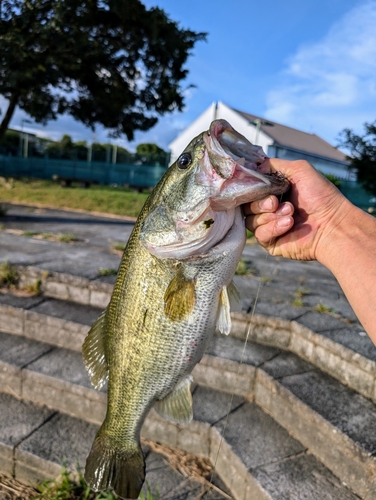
180	296
93	352
224	318
234	297
177	405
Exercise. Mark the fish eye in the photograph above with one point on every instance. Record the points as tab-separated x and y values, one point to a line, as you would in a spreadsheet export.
184	161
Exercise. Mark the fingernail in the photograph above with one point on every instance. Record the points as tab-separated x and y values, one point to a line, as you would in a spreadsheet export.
284	221
266	204
284	210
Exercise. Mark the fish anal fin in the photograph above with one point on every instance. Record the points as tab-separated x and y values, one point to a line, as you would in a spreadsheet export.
93	352
179	297
177	405
224	318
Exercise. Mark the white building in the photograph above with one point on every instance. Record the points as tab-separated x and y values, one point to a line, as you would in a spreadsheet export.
276	140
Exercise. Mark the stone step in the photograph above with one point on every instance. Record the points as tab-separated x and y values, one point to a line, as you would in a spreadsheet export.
257	459
36	442
331	421
56	322
339	351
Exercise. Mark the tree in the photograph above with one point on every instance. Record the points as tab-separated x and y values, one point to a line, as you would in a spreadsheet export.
363	155
109	62
151	154
10	143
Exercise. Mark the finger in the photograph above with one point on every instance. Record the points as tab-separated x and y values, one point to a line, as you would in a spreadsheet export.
284	209
268	204
267	232
252	222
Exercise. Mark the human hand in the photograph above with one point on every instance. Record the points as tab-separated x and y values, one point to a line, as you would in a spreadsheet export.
299	228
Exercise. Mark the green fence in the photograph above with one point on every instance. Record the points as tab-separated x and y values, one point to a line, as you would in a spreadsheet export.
102	173
121	174
357	194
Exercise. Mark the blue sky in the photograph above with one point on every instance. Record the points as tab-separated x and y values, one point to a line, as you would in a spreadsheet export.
308	64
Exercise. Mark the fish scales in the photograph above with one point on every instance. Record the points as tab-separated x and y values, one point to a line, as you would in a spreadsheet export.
170	295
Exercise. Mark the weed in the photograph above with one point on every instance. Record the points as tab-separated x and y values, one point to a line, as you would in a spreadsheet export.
297	302
245	268
321	308
149	494
66	238
35	288
2	227
3	210
301	292
29	233
47	236
265	279
67	488
119	246
107	272
250	238
8	275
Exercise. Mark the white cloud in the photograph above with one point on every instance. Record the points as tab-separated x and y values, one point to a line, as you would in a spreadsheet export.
330	84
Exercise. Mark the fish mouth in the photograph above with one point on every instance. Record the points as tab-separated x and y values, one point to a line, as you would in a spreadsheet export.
241	164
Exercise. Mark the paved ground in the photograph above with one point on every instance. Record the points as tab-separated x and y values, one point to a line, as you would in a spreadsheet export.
303	291
284	288
275	287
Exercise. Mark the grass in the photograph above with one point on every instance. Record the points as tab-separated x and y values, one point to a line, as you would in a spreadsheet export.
65	238
107	272
149	495
8	275
119	247
323	309
245	268
299	294
29	233
106	199
67	488
265	279
35	288
297	302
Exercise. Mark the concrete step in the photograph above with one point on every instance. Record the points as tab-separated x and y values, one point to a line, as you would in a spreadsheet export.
329	337
331	421
257	459
328	343
36	441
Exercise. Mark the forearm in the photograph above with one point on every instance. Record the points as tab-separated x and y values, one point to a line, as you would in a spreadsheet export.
349	251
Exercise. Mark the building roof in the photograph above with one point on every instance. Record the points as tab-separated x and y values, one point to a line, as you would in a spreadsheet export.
296	139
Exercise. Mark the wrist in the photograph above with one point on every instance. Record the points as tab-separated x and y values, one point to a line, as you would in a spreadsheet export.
336	232
348	231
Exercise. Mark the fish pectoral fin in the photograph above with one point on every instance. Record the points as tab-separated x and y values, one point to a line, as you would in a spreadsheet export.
180	297
177	405
234	297
93	352
224	318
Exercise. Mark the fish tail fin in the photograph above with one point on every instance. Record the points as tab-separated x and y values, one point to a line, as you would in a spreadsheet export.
120	469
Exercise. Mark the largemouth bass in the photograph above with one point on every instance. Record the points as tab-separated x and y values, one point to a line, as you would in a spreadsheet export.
172	292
